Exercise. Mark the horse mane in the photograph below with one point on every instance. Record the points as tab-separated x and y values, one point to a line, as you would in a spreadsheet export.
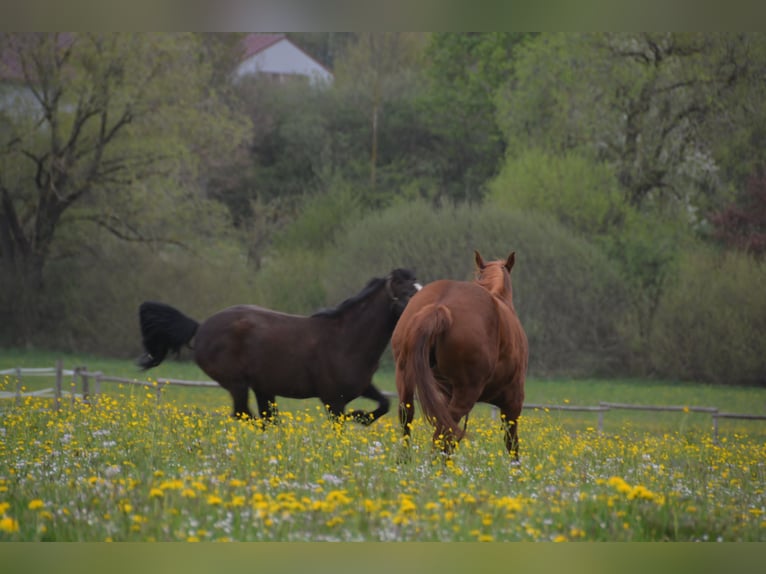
372	286
489	280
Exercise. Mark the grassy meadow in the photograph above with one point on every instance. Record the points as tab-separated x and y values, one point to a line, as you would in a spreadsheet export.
141	465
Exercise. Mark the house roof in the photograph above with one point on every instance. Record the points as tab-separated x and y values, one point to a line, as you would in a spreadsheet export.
255	43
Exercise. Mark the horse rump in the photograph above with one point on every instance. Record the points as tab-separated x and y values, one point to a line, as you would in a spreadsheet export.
163	329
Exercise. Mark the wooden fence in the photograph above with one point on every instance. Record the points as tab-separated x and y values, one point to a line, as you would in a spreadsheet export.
90	385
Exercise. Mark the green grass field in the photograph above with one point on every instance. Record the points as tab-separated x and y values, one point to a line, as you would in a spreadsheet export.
132	466
589	392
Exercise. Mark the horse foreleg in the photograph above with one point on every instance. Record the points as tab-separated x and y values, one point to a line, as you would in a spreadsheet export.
367	418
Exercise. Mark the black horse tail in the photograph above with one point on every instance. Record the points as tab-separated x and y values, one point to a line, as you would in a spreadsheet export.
163	329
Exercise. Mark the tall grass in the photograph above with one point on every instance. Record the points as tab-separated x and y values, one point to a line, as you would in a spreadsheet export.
132	467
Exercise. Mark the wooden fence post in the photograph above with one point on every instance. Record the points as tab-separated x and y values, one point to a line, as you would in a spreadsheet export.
715	428
85	385
59	377
18	385
73	386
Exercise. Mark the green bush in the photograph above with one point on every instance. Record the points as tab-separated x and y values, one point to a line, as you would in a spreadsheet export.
90	304
711	321
291	281
583	194
569	298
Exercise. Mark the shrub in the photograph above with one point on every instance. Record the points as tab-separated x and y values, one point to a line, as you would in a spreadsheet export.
91	301
583	194
568	296
711	322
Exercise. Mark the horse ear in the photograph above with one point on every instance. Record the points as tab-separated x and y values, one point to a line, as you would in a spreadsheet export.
478	259
510	261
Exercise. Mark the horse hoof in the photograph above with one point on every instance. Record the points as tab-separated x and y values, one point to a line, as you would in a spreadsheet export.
362	417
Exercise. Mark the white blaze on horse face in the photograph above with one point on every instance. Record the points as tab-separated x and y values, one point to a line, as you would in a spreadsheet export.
418	286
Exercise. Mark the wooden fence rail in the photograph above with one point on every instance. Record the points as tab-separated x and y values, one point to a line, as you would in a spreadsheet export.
98	377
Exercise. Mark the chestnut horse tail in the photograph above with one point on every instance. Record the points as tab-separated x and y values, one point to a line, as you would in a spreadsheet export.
427	324
163	328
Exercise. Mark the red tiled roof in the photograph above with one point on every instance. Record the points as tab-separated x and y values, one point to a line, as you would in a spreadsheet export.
255	43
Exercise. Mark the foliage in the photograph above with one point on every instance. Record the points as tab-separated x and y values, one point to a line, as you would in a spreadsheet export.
585	196
106	131
635	142
642	102
93	299
582	194
465	70
742	225
174	472
376	69
711	321
569	298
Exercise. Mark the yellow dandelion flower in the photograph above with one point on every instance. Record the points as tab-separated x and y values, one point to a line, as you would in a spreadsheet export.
641	492
188	493
619	484
406	504
4	506
485	538
172	485
560	538
338	497
9	525
214	500
156	493
35	504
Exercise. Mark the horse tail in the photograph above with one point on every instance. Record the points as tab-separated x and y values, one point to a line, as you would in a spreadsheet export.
427	324
163	329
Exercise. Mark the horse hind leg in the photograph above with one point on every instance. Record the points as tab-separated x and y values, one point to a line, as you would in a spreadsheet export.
239	394
510	417
462	400
267	407
367	418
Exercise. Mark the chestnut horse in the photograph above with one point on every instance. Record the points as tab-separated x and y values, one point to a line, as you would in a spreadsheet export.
331	354
459	343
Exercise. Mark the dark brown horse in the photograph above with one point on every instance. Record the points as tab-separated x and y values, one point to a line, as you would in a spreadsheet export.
459	343
332	354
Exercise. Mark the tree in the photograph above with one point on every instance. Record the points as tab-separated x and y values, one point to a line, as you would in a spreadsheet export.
105	130
325	47
465	71
742	225
378	68
641	102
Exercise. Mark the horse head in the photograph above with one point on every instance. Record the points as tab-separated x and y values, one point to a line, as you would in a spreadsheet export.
400	287
495	276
